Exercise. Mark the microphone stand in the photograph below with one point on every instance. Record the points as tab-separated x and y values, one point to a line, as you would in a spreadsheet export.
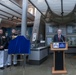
62	39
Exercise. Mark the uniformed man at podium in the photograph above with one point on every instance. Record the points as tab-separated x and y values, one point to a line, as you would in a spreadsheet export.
59	54
13	36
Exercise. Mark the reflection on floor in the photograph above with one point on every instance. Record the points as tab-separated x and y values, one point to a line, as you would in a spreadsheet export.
43	69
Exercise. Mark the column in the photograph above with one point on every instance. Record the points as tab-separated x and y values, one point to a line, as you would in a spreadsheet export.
24	17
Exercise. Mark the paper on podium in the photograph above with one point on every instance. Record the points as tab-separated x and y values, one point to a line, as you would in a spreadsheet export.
59	45
55	45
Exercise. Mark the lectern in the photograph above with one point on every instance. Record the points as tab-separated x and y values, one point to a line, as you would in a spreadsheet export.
59	57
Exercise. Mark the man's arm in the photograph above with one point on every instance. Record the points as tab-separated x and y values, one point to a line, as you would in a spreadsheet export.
4	41
64	38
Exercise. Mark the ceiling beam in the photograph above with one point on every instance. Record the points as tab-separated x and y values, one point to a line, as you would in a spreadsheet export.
10	8
15	3
36	8
49	8
9	13
62	12
12	20
5	16
2	17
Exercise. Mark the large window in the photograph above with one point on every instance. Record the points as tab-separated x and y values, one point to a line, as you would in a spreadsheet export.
69	31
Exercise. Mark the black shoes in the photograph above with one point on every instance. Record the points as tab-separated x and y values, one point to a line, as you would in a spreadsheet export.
2	68
15	65
8	65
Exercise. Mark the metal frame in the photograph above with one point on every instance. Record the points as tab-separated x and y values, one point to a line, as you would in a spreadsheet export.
5	16
15	3
2	18
48	6
8	18
10	8
9	13
62	12
14	15
11	18
29	16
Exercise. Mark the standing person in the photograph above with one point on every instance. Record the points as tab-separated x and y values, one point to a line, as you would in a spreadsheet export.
13	36
2	47
59	54
6	48
59	37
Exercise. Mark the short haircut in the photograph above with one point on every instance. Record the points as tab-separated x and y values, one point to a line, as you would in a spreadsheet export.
59	30
1	29
13	29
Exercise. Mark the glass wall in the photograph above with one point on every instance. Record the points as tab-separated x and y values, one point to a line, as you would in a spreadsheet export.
69	31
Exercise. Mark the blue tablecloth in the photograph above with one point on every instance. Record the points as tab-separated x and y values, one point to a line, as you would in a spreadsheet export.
19	45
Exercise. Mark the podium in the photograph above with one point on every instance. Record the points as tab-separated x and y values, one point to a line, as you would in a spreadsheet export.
59	57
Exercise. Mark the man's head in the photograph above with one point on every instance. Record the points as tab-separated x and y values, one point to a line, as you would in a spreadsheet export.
1	31
13	31
59	31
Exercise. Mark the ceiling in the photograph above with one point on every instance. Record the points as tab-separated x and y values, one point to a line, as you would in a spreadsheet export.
11	12
60	11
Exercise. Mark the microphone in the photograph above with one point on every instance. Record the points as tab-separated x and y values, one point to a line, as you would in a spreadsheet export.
62	39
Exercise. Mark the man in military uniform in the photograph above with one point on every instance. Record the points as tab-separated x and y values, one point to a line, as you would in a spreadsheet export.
13	36
2	47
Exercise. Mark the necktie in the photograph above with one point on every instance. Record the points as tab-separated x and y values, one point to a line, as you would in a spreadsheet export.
59	37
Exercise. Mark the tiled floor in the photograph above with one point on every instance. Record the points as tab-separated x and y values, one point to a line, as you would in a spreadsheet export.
43	69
